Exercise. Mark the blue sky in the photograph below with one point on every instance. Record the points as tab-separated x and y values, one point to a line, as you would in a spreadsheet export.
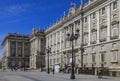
21	16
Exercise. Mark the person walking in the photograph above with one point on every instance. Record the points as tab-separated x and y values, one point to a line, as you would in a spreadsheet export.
53	70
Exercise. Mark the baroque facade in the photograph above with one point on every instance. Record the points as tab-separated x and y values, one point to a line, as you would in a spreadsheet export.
98	45
16	51
37	44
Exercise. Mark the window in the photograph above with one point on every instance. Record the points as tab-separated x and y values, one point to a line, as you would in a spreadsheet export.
13	44
102	57
93	58
85	19
114	45
114	56
115	32
85	58
103	33
114	5
94	15
94	36
102	47
103	10
86	39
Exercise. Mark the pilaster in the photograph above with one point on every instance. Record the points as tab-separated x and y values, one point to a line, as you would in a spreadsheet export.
89	30
119	15
108	22
23	49
56	41
60	40
16	49
98	26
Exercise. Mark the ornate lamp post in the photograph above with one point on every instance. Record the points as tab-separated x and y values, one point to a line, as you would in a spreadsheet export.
71	38
48	50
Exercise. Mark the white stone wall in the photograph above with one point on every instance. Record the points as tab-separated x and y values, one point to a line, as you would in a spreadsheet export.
98	44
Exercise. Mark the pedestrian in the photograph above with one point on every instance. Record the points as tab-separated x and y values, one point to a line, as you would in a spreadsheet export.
53	70
100	74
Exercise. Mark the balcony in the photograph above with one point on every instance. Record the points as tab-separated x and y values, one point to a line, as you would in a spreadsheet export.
85	33
114	37
102	39
93	42
85	44
19	55
93	30
13	55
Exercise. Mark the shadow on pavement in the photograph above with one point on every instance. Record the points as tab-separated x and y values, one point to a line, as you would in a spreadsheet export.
34	79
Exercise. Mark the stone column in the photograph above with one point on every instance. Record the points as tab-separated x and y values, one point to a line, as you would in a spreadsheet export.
60	47
119	15
108	22
98	26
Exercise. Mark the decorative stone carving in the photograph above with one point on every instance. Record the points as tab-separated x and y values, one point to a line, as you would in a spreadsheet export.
103	26
114	22
94	30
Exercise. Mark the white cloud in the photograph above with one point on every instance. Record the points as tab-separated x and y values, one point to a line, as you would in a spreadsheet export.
14	9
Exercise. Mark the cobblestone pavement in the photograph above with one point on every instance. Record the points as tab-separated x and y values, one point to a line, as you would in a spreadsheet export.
42	76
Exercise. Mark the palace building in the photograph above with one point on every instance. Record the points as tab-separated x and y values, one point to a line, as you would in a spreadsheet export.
37	54
16	52
98	45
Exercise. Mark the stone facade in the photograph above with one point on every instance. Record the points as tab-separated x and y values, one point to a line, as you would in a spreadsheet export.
98	44
16	51
37	55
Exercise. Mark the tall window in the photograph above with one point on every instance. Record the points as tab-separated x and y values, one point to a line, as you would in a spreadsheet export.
85	58
94	36
94	15
114	56
114	31
103	33
103	10
85	19
93	58
102	57
115	5
86	39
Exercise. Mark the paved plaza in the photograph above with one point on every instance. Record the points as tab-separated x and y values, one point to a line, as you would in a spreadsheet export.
42	76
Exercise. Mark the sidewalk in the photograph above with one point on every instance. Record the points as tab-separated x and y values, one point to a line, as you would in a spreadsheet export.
3	79
42	76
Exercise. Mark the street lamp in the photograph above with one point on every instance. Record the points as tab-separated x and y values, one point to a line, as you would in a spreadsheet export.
72	37
48	50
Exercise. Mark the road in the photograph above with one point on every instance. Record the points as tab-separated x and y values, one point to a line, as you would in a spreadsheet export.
42	76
